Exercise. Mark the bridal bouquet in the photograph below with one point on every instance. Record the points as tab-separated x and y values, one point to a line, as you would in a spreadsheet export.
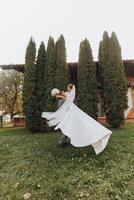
54	92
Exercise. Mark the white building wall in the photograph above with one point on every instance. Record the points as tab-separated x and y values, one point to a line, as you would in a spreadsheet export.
130	102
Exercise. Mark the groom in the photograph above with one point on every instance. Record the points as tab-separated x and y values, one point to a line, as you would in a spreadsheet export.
64	140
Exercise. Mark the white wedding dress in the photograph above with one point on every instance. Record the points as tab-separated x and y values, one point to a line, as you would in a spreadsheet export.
82	129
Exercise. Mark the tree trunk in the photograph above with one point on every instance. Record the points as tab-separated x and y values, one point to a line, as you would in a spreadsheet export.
1	122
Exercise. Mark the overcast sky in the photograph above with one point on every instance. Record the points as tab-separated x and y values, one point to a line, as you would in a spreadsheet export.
75	19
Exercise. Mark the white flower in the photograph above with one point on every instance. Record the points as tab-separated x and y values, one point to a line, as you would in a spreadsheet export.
27	195
54	92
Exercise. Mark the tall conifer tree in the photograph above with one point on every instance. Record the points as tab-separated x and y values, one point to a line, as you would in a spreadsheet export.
51	75
103	59
113	80
29	88
115	85
41	87
61	65
87	84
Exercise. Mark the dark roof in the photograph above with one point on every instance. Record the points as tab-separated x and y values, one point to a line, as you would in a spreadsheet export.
129	67
128	64
17	67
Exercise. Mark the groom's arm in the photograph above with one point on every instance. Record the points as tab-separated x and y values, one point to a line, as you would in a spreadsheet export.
60	96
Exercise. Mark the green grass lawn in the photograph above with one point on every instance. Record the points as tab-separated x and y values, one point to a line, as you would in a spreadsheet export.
32	163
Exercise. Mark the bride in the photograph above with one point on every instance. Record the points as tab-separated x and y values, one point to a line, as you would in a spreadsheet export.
82	129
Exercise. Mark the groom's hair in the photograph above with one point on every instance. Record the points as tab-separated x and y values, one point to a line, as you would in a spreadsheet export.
70	85
61	92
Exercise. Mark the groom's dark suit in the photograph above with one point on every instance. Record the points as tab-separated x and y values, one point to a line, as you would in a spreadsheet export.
64	140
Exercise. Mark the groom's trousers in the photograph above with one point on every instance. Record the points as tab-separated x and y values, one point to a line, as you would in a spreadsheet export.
64	140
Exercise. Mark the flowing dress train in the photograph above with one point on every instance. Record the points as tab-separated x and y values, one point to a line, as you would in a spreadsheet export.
82	129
